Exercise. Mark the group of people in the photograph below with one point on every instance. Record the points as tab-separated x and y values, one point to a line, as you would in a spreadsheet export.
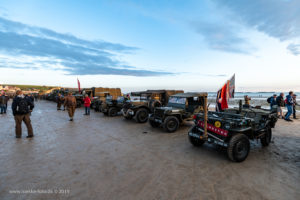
70	103
3	102
290	102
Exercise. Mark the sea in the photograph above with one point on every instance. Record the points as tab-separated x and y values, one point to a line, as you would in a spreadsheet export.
254	95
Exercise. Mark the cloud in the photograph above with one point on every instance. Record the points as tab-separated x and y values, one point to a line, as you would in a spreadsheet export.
73	55
276	18
294	49
222	37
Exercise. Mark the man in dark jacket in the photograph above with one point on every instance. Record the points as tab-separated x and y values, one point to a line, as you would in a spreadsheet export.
22	107
289	106
280	104
2	103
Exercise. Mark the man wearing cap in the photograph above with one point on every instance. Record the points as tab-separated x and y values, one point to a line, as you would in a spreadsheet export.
70	103
294	106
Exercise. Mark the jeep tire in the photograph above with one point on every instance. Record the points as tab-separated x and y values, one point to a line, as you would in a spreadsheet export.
171	124
142	115
266	139
112	112
238	148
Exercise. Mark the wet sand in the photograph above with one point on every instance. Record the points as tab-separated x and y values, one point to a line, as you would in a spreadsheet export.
97	157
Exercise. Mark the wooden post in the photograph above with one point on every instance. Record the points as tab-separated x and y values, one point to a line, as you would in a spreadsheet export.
205	117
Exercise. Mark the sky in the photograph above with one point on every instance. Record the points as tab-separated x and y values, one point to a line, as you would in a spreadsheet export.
138	44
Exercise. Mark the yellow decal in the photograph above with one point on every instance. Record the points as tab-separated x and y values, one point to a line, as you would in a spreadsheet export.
217	124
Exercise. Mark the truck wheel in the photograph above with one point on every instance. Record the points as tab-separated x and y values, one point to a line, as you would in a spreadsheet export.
112	112
142	115
153	123
238	148
266	139
171	124
196	141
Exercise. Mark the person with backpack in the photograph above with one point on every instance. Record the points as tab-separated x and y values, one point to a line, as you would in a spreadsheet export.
280	104
273	100
294	106
289	105
21	108
70	103
87	104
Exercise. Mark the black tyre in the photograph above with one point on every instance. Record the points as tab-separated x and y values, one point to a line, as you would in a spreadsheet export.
142	115
153	123
196	141
266	139
112	112
171	124
238	148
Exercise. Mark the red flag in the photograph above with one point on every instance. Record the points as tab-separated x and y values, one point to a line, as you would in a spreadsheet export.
224	96
78	85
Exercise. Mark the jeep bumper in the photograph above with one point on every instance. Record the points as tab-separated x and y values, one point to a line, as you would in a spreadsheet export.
152	118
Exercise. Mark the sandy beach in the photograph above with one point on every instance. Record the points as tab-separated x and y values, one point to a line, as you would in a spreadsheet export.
97	157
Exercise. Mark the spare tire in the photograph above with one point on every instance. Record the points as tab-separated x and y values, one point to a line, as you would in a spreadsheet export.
154	103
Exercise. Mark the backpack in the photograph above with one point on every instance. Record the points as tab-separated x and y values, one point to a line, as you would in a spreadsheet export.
269	100
22	107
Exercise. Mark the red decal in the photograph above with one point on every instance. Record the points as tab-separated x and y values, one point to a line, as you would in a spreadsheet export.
214	129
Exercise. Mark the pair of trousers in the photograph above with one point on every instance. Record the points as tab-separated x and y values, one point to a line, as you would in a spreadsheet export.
294	111
87	110
71	111
26	119
2	108
290	111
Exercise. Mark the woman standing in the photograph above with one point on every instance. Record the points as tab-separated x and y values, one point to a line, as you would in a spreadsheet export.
87	104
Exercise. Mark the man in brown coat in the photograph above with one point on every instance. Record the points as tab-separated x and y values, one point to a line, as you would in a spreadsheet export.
59	101
70	103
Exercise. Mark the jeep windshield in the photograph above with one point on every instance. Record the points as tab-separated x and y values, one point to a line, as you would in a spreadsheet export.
138	98
108	98
177	102
120	99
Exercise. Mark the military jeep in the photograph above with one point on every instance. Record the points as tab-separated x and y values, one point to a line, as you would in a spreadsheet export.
233	129
112	107
142	103
181	107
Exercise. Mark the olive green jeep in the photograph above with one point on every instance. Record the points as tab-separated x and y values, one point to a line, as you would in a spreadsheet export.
181	107
142	103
